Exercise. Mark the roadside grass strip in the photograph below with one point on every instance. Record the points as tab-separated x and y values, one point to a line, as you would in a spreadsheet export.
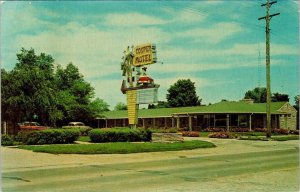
274	138
118	148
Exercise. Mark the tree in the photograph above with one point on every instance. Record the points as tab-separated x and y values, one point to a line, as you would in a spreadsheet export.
34	91
258	94
99	105
277	97
120	106
29	89
75	94
160	104
296	99
183	93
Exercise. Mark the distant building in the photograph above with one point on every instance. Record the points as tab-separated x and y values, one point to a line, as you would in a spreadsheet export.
225	114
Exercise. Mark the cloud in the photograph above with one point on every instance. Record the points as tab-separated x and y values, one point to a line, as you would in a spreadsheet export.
188	15
214	34
132	19
96	52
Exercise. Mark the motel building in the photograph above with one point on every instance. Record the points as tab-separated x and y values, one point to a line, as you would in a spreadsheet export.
226	114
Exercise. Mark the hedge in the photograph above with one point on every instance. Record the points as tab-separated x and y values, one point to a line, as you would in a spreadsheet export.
48	136
83	131
6	140
119	135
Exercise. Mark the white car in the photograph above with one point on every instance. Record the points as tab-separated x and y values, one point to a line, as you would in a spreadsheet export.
76	124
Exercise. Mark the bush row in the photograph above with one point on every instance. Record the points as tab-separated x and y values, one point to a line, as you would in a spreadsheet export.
119	135
49	136
190	134
6	140
83	131
295	132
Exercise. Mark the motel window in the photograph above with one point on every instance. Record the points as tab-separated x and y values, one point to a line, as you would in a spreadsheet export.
221	120
234	120
243	121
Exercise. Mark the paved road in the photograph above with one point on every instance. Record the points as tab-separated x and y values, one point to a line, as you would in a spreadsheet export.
267	168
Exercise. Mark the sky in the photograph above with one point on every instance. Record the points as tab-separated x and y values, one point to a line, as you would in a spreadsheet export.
219	45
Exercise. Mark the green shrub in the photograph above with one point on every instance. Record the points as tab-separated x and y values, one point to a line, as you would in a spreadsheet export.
48	136
6	140
83	131
295	132
119	135
22	136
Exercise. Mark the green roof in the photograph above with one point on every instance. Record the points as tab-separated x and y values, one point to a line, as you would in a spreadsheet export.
221	107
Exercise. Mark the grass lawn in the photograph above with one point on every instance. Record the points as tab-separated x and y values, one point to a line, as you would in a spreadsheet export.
274	138
205	134
84	139
118	148
285	137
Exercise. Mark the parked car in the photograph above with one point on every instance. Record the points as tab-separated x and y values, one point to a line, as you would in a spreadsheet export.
82	127
31	126
76	124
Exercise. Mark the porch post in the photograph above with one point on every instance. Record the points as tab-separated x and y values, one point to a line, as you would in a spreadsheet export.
250	122
5	128
214	120
178	122
227	122
190	123
105	123
143	122
173	122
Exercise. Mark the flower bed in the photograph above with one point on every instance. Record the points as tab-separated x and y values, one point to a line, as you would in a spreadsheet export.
222	135
190	134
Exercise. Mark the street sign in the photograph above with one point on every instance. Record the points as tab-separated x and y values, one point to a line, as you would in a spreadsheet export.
147	96
144	55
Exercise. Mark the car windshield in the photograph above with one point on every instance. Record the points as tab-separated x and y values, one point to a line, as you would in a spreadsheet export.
76	124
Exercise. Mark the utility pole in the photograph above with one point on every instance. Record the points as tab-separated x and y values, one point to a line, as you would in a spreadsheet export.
268	17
